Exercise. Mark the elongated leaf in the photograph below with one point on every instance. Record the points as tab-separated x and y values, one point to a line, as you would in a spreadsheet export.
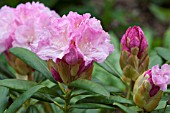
166	41
4	70
90	86
105	100
32	109
22	98
163	52
32	60
23	85
163	14
4	92
91	106
124	108
19	85
154	59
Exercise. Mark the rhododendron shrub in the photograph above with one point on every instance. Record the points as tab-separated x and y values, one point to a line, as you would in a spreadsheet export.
67	64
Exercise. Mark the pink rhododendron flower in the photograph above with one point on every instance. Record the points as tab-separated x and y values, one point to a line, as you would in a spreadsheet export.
90	40
75	42
7	27
32	20
161	76
134	37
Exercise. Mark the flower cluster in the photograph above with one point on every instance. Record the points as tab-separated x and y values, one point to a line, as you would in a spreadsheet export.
74	41
22	26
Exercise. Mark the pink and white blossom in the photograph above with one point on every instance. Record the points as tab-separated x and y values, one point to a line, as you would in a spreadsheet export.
161	76
85	33
7	27
32	20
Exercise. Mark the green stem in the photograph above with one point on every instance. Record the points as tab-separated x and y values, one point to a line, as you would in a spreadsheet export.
165	107
61	87
67	101
129	89
56	103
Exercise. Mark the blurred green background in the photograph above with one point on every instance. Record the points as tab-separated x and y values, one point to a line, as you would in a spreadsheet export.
117	15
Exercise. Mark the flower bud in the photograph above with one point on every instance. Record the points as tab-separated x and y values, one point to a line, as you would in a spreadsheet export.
71	67
134	57
18	65
149	87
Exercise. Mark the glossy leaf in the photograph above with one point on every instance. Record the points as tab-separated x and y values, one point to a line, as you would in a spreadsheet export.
4	96
166	40
163	52
154	59
32	109
163	14
124	108
105	100
32	60
112	80
24	85
90	86
22	98
91	106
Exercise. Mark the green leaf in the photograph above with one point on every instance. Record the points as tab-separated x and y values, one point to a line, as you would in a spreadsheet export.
4	70
24	85
16	84
90	86
149	37
32	60
166	40
32	109
154	59
112	80
4	96
91	106
105	100
124	108
161	105
22	98
163	14
163	52
167	91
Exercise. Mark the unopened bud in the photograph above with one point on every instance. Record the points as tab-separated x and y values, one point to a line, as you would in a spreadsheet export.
134	59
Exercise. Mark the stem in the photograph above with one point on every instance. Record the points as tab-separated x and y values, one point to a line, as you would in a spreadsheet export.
67	101
165	107
61	87
129	89
56	103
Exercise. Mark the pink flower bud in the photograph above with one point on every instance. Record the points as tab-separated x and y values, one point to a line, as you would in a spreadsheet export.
149	87
134	57
134	37
70	67
18	65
